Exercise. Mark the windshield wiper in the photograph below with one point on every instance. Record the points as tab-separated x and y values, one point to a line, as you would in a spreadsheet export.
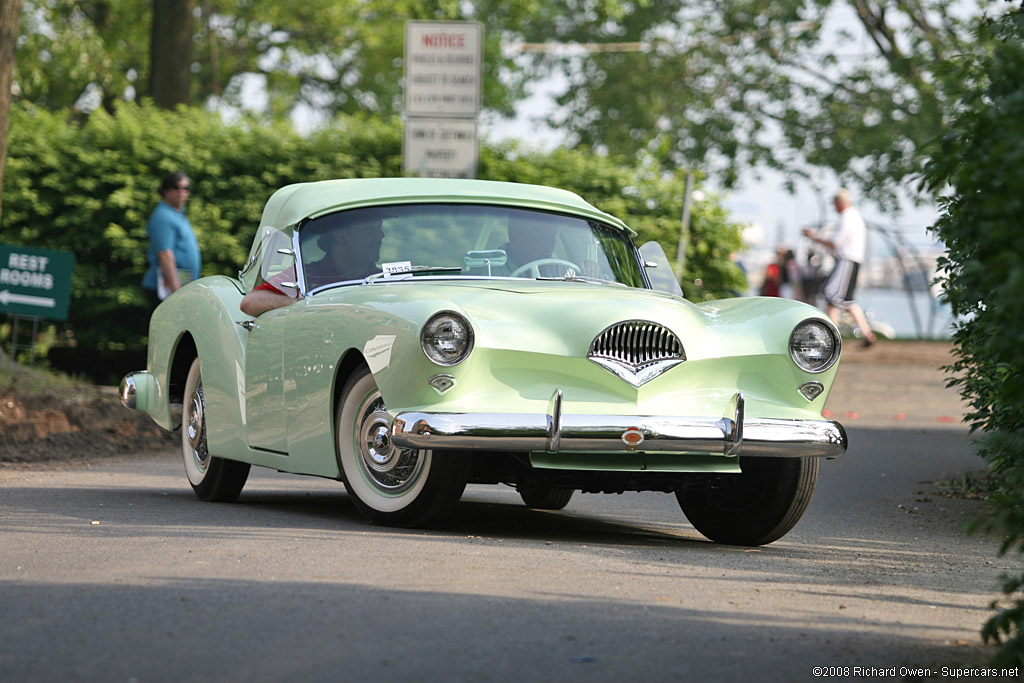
581	278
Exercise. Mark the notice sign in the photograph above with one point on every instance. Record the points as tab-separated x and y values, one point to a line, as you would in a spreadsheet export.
442	68
35	282
440	148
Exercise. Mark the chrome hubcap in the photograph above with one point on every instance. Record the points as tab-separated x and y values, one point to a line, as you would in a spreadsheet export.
390	469
381	450
195	429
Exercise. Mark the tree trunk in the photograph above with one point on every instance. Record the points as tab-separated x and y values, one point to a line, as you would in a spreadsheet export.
170	70
9	13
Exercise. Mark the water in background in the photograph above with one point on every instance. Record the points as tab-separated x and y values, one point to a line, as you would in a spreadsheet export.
892	311
897	308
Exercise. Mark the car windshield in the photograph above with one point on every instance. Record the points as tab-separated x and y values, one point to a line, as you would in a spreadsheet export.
463	240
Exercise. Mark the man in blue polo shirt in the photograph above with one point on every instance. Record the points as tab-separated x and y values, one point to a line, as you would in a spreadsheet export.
173	254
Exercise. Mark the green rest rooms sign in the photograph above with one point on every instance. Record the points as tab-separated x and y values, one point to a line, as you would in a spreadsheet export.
35	282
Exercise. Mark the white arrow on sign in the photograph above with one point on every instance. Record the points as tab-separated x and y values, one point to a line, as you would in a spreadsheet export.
8	298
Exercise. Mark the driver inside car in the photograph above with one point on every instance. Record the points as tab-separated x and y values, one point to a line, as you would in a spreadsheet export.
528	240
350	252
531	237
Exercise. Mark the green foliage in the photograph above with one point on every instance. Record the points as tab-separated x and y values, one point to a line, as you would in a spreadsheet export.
333	56
70	49
793	85
90	186
981	158
716	85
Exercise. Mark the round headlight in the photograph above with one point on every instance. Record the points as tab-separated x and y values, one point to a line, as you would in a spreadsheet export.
447	338
814	346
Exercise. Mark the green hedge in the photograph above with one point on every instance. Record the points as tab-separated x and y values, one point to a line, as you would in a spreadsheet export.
89	186
982	159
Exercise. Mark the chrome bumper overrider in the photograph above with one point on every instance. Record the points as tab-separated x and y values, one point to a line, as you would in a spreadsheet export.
555	432
128	392
139	391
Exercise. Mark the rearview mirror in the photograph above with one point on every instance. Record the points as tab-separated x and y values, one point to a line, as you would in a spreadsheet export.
486	259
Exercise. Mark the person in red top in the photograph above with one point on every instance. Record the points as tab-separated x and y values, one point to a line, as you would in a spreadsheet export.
772	280
350	253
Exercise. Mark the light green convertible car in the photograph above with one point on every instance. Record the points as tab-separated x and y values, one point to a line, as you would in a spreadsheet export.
445	332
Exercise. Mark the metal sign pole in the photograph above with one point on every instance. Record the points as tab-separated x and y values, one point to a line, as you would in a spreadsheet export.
684	233
17	345
14	351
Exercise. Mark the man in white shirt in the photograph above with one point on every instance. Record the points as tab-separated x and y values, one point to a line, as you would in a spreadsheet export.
849	245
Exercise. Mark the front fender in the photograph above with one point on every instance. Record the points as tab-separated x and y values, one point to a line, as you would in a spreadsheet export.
205	311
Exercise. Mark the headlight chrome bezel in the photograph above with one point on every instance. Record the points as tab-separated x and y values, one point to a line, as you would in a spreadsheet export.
798	333
429	338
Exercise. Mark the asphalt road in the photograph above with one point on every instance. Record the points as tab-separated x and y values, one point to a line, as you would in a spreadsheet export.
115	572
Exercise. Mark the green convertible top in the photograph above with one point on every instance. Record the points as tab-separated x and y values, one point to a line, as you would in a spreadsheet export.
293	203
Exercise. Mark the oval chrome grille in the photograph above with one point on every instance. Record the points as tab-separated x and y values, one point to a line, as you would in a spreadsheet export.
637	344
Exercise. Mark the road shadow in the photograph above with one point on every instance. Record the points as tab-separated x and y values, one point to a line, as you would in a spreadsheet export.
200	629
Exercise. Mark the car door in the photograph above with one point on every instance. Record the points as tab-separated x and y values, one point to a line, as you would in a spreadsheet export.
265	409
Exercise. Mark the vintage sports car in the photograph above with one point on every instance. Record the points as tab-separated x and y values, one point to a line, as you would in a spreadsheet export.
442	332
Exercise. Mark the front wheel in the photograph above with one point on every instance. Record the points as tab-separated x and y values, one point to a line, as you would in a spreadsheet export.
389	485
212	479
755	507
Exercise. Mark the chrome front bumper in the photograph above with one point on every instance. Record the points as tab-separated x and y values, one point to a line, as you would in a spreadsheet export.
554	432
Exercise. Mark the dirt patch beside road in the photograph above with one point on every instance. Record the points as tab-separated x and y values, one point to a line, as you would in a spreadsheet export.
932	354
68	424
896	384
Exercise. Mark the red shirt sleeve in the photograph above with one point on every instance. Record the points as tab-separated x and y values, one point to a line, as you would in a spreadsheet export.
269	288
274	283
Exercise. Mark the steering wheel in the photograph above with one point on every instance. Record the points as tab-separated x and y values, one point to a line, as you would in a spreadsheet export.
534	266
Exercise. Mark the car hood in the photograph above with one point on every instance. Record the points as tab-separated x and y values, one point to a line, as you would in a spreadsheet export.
564	317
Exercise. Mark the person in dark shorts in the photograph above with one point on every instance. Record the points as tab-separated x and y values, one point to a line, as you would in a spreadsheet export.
849	245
